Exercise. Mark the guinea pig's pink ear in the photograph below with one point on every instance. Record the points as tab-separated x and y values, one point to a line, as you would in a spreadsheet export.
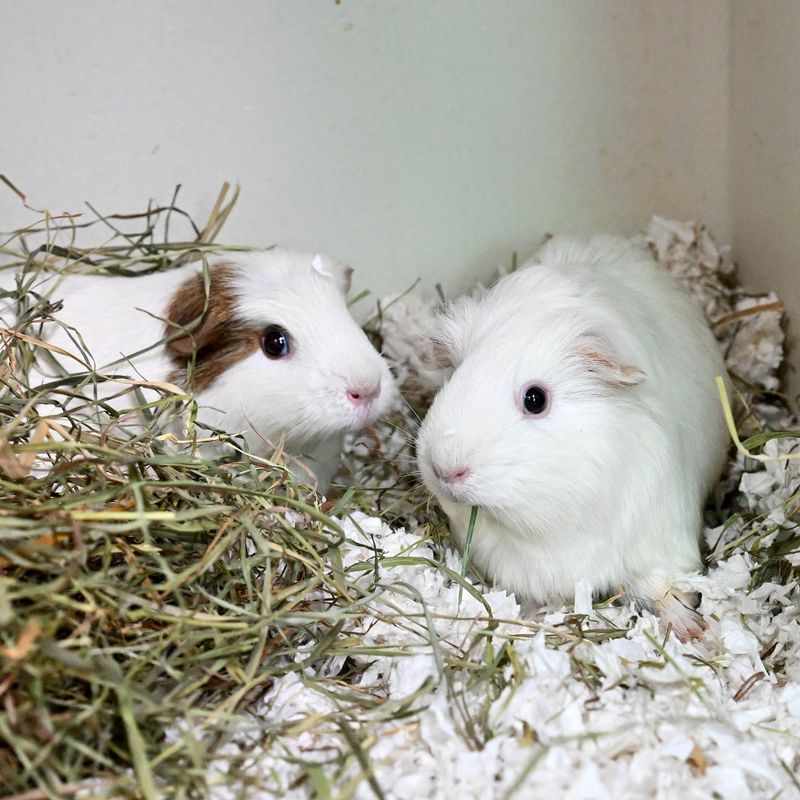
598	356
340	273
450	336
442	352
344	277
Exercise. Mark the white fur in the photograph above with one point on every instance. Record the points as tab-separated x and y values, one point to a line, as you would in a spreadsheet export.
609	484
299	401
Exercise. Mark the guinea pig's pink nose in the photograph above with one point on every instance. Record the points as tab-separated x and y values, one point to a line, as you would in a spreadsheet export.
361	395
456	475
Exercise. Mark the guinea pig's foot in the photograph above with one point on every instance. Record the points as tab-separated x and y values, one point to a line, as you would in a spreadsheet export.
675	611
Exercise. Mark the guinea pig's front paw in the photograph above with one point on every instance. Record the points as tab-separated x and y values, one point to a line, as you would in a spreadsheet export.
675	611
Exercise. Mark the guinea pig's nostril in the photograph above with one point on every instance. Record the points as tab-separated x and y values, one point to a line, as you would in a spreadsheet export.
457	475
360	395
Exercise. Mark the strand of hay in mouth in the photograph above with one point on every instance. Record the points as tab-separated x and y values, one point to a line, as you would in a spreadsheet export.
473	516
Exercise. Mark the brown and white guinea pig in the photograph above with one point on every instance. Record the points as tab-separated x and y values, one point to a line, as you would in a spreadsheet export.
276	354
582	419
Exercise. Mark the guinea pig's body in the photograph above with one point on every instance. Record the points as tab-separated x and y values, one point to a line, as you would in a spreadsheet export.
263	338
583	420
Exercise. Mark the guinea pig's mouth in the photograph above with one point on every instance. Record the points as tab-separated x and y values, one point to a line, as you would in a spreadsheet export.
465	492
363	416
459	495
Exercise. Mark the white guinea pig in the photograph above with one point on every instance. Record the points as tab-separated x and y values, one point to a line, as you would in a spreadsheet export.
582	418
275	353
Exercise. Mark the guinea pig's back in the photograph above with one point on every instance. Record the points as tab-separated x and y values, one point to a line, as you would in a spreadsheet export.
116	318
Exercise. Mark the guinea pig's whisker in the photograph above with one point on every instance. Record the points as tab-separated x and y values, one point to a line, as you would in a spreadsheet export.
411	409
396	427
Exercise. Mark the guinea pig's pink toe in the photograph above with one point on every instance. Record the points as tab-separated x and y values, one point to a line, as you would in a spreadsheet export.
684	621
688	629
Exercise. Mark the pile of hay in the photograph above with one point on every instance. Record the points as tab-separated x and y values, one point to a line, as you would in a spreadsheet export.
140	586
177	627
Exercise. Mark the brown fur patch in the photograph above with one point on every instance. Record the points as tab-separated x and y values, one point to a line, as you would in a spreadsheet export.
205	326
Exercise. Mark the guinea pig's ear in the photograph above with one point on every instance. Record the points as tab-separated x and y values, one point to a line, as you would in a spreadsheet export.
599	358
344	277
341	273
450	336
442	352
200	312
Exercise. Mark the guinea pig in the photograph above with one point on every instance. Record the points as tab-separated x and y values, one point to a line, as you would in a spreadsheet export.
263	338
581	417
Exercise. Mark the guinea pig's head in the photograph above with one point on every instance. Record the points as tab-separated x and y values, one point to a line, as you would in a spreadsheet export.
537	410
266	340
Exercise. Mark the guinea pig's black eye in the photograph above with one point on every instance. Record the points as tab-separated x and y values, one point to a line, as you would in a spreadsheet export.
275	342
535	400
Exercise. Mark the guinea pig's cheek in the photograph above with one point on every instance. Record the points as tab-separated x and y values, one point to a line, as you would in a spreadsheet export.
427	471
423	456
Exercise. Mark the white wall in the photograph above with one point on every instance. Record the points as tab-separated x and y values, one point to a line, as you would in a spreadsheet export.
422	137
765	153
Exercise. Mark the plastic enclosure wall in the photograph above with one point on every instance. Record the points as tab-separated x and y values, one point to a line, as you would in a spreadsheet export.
415	138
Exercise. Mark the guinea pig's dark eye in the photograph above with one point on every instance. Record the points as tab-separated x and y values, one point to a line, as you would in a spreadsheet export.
275	342
535	400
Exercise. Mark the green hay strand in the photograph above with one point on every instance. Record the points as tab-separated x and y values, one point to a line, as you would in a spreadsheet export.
473	516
